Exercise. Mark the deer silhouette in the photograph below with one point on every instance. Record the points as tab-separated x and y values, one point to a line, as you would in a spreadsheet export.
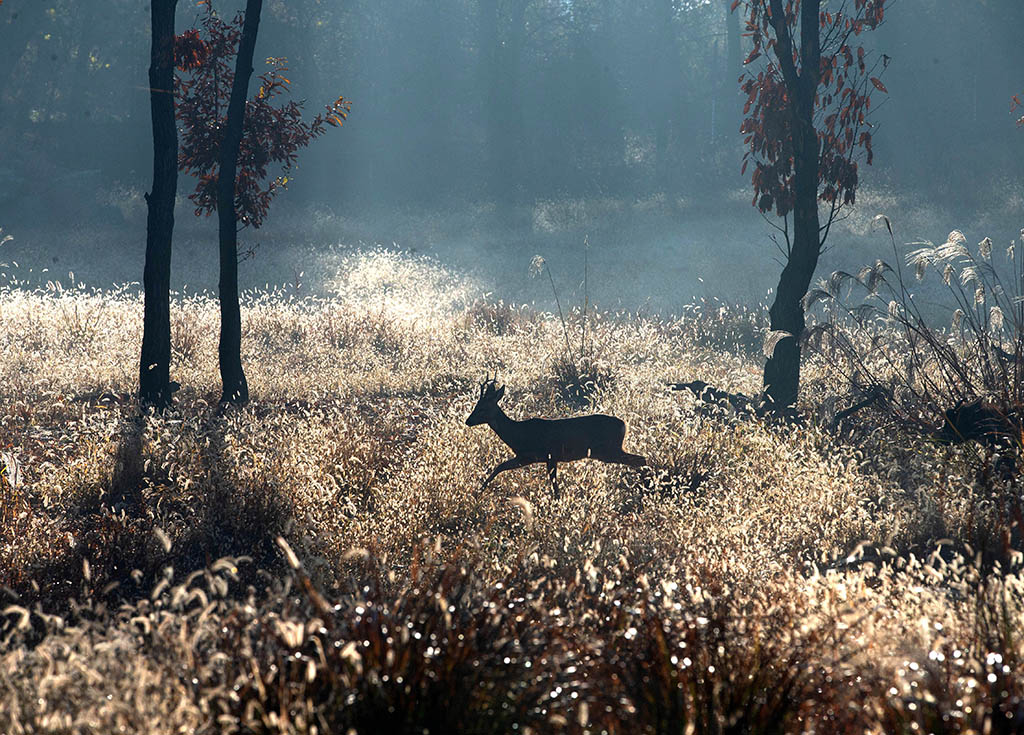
551	440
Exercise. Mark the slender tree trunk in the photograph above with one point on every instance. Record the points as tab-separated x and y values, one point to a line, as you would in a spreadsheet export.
19	27
490	82
515	152
667	56
236	389
782	370
732	97
734	64
501	53
486	80
155	362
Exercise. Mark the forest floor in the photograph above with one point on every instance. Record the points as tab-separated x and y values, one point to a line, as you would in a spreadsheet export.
322	559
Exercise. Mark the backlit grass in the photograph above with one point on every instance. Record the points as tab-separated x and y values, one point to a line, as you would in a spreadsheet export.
756	578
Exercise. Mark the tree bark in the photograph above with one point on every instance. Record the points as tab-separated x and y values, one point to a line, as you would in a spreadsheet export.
489	82
733	62
666	116
155	361
501	54
22	27
782	370
732	97
235	387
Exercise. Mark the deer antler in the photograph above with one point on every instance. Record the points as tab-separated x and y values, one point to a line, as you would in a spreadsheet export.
489	385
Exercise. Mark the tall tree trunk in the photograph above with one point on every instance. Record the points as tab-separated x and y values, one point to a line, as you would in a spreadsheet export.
734	64
501	53
23	72
732	97
20	27
236	389
782	370
514	159
666	56
155	362
490	82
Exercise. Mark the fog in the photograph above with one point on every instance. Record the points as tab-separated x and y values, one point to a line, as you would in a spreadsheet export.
484	132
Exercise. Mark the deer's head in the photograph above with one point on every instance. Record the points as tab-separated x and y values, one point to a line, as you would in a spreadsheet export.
487	405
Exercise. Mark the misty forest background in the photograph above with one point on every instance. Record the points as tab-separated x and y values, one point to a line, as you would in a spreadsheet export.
486	131
322	558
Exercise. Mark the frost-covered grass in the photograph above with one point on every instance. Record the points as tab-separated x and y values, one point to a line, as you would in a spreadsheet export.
755	579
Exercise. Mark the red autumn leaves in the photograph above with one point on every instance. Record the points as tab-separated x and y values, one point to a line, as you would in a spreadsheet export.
274	130
842	101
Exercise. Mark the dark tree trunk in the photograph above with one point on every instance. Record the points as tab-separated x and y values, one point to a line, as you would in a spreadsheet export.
513	162
155	362
22	27
665	117
782	370
734	65
440	73
236	389
732	97
490	82
501	54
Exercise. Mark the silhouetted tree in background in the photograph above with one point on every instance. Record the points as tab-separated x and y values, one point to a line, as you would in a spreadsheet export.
154	364
733	70
806	126
502	38
434	131
229	143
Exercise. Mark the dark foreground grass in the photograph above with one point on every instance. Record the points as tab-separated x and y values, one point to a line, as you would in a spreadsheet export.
450	649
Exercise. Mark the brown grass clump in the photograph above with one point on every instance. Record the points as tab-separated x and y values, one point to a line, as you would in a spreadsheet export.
755	578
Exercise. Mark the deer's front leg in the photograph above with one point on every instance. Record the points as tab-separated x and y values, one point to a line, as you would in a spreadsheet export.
508	464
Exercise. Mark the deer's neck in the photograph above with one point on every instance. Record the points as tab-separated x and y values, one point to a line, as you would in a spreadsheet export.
508	430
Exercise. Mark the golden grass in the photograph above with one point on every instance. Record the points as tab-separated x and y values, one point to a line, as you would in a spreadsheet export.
354	449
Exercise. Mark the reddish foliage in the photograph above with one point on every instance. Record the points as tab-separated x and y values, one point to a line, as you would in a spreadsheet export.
190	51
842	101
273	133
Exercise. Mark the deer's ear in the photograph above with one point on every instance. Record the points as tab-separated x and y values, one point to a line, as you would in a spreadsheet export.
499	394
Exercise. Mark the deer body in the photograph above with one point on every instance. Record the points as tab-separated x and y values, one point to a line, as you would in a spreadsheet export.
551	440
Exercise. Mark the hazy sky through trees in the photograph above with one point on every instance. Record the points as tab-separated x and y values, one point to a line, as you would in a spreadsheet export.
549	119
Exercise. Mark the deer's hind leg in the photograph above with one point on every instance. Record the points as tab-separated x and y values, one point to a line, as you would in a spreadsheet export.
553	474
617	455
611	451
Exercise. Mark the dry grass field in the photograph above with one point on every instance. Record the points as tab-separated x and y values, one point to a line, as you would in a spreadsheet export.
322	561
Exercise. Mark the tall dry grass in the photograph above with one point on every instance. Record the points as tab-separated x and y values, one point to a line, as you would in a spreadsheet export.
755	579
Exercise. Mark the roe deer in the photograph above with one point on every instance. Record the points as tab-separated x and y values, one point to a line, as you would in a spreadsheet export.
551	440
